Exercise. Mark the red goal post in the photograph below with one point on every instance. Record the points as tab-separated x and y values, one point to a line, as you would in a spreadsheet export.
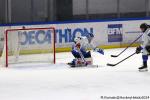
29	29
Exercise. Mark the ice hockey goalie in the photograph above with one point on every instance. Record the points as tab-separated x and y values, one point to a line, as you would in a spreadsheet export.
81	53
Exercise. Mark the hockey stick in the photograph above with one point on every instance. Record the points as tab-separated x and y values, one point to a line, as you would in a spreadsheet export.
126	47
121	60
83	59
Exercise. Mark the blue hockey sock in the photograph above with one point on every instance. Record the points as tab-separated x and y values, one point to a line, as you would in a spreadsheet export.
145	58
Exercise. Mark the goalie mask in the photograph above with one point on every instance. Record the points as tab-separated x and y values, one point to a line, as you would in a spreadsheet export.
77	40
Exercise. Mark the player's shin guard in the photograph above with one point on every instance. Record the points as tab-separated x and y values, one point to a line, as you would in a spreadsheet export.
145	58
144	67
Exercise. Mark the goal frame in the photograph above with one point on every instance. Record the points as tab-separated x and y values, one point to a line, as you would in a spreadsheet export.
37	28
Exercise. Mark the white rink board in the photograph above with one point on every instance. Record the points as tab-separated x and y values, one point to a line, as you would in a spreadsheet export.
65	32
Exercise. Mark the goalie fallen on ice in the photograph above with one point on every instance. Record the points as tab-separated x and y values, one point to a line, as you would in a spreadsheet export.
80	52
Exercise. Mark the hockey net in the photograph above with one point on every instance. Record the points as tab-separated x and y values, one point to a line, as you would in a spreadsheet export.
28	45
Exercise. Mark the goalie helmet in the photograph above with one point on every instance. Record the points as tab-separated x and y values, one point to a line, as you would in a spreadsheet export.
77	40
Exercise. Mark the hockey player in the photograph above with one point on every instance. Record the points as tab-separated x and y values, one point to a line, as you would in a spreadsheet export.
80	52
145	46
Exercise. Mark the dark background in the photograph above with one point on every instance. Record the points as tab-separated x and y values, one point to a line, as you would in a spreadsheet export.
24	11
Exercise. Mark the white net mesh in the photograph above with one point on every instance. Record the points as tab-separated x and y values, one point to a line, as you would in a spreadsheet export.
29	46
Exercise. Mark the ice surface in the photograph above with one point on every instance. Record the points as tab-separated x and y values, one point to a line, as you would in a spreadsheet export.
59	82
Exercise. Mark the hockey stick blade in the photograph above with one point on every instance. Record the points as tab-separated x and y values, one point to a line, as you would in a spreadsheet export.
111	64
127	47
114	55
121	60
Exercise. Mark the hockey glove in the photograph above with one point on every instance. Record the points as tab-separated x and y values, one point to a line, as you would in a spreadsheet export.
101	51
138	50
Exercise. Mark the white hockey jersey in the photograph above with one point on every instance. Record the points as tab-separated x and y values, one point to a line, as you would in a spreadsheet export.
145	41
85	43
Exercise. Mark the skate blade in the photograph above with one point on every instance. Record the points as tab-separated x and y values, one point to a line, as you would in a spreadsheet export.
88	66
143	70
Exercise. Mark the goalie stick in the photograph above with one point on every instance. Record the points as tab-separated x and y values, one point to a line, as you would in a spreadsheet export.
83	59
108	64
126	47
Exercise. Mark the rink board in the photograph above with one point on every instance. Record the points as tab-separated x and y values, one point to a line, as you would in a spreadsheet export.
107	33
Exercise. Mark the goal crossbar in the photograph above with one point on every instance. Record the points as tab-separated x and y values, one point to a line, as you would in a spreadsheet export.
23	29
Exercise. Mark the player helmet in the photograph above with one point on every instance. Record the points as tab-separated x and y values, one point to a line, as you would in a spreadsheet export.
144	27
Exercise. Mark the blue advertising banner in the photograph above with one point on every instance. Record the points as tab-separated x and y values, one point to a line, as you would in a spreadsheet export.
115	32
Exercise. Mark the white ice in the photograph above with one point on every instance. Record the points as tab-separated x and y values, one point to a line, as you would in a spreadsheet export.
59	82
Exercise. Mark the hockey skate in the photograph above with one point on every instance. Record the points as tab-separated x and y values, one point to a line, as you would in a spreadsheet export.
71	64
143	69
79	63
76	64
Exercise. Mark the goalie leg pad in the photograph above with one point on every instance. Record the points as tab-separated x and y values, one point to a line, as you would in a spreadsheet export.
78	62
87	54
75	54
89	61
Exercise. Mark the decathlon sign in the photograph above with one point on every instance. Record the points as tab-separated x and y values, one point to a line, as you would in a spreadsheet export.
45	36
